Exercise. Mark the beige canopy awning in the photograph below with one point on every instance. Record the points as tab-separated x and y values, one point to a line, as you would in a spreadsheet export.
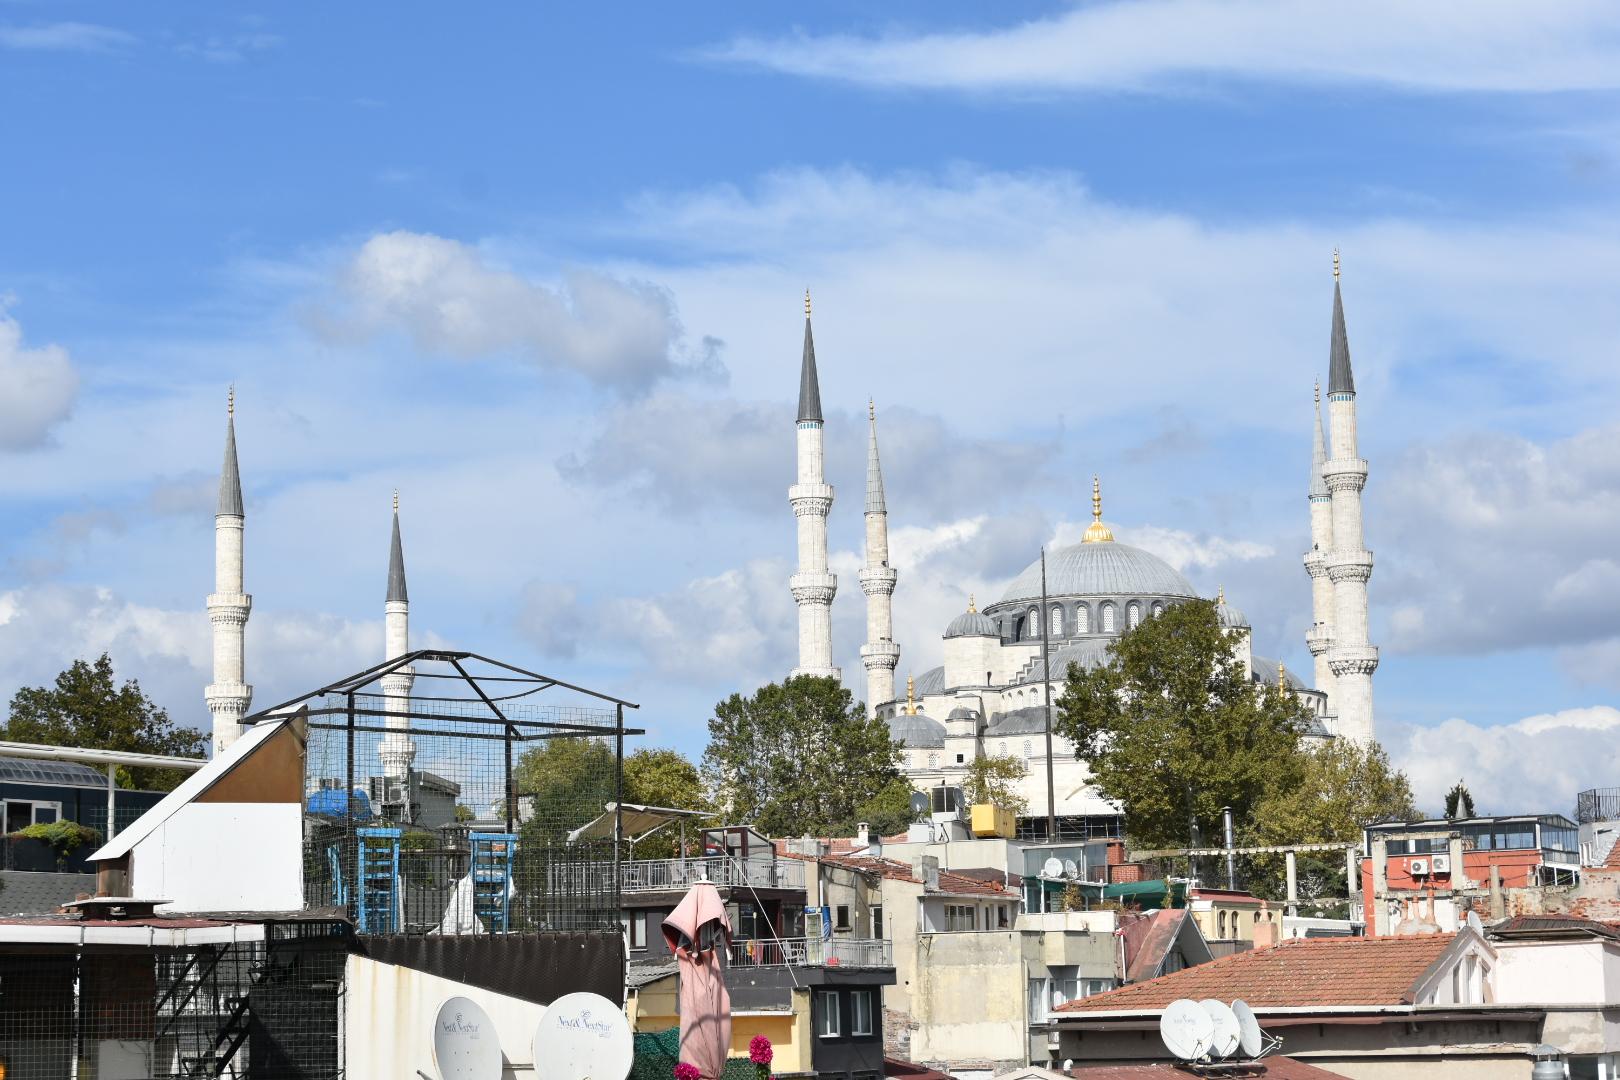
637	821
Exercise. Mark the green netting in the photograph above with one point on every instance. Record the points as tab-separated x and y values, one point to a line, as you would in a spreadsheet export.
658	1051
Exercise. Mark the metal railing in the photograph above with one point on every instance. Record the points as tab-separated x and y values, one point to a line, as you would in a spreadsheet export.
670	875
811	952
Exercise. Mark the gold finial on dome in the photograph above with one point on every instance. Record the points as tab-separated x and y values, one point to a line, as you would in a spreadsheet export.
973	609
911	696
1097	532
1282	676
807	295
1220	594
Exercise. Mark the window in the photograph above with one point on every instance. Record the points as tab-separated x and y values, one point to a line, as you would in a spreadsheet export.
1032	625
21	813
1002	919
1065	984
1158	608
959	917
1220	924
860	1012
877	921
1133	615
1003	749
635	929
841	917
933	761
829	1022
1057	621
1037	1001
1108	618
1082	619
960	760
1029	750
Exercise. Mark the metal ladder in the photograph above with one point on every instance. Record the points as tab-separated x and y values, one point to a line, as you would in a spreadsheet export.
491	871
376	891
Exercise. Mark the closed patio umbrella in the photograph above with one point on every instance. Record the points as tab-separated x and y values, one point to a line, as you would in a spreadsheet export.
698	932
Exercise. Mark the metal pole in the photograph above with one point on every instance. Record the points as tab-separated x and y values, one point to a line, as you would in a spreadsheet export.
1293	884
1046	662
112	786
511	786
1231	859
348	792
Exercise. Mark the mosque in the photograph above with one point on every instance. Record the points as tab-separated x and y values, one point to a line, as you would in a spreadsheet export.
989	696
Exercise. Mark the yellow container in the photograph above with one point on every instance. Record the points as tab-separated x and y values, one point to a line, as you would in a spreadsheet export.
988	819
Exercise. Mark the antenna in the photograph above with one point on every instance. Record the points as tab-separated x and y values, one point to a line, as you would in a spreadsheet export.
919	803
583	1036
1052	868
1186	1030
1227	1029
1071	868
465	1043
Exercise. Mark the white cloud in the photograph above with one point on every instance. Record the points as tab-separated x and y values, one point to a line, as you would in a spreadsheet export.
1534	765
449	298
65	37
1168	46
37	388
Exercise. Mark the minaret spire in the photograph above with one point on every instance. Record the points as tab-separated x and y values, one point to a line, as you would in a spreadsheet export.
880	654
1351	657
229	696
397	750
813	585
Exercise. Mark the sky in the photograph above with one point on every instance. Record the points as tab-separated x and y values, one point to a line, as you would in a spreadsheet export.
540	268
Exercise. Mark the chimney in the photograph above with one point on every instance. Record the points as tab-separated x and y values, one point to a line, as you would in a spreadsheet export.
1265	931
862	834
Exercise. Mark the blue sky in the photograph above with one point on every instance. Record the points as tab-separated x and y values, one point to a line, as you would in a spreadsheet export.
541	269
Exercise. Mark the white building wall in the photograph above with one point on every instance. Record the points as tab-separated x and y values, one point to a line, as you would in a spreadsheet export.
224	857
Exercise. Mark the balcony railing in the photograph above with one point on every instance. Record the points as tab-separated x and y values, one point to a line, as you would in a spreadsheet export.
673	875
811	952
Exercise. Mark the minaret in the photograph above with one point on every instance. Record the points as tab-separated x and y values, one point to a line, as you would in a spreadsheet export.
397	750
1349	564
814	585
229	695
1319	638
880	654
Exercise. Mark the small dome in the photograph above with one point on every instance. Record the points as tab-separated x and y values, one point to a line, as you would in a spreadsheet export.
1228	616
963	713
917	729
973	624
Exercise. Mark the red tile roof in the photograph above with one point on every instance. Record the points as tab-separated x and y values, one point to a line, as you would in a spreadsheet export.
949	881
1275	1068
1305	972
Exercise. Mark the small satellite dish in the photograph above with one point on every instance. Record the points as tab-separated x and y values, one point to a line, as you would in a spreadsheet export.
1474	924
1227	1028
1052	868
583	1037
465	1043
1186	1030
919	803
1249	1038
1070	868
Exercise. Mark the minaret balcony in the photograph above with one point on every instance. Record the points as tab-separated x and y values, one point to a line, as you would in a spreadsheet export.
814	499
1315	563
1319	639
880	654
1345	474
1350	566
878	580
1353	660
229	609
813	586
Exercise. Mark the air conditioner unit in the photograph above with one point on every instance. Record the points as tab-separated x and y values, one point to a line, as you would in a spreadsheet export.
1441	864
1419	867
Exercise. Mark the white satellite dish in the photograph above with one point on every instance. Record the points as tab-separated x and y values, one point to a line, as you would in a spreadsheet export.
1071	868
1227	1028
1052	868
1186	1030
465	1043
1249	1037
583	1037
1474	924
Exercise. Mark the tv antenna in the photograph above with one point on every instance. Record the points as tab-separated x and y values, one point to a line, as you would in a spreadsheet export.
1187	1030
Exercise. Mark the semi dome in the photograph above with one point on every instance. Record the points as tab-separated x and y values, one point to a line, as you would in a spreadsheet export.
1106	568
916	729
972	623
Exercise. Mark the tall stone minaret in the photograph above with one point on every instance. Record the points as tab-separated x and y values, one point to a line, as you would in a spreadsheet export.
397	750
1351	658
814	585
229	695
1319	638
880	654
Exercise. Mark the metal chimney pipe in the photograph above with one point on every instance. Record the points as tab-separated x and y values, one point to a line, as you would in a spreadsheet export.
1231	859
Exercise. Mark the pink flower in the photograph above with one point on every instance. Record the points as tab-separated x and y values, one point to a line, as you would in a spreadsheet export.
759	1050
687	1071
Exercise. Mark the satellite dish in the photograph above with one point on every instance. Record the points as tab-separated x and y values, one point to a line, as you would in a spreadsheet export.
1052	868
1186	1030
919	803
583	1037
1227	1029
1070	868
1474	924
465	1043
1249	1038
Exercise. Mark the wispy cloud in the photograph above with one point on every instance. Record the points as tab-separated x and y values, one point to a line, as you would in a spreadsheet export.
228	48
39	387
66	37
1162	46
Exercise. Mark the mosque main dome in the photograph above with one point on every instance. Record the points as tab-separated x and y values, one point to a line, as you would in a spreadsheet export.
1099	569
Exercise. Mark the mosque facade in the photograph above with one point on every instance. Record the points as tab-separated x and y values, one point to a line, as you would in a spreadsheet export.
990	695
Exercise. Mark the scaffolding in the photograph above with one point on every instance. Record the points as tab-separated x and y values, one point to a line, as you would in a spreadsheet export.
440	792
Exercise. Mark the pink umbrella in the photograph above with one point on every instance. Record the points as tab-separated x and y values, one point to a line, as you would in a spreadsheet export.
697	932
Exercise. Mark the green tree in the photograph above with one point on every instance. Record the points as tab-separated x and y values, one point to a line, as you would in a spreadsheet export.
1342	787
667	778
561	784
798	757
1174	731
1459	803
995	779
889	810
88	709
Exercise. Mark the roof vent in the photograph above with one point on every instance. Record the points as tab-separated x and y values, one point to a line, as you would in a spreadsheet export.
114	908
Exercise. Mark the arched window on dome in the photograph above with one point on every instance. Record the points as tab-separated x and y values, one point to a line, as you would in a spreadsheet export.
1082	619
1158	608
1029	749
1003	749
1032	624
933	761
1057	621
1108	618
1133	615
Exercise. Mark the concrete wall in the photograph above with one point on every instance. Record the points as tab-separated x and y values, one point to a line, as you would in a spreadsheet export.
969	999
388	1022
224	856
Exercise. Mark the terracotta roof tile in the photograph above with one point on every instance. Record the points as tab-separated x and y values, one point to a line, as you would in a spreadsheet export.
1305	972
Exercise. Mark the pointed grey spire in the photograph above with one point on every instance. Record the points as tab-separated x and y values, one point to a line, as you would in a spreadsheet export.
1319	488
1340	380
874	471
809	385
230	477
396	563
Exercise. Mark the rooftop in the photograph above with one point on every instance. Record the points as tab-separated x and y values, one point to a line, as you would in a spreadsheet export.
1274	1068
1301	973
